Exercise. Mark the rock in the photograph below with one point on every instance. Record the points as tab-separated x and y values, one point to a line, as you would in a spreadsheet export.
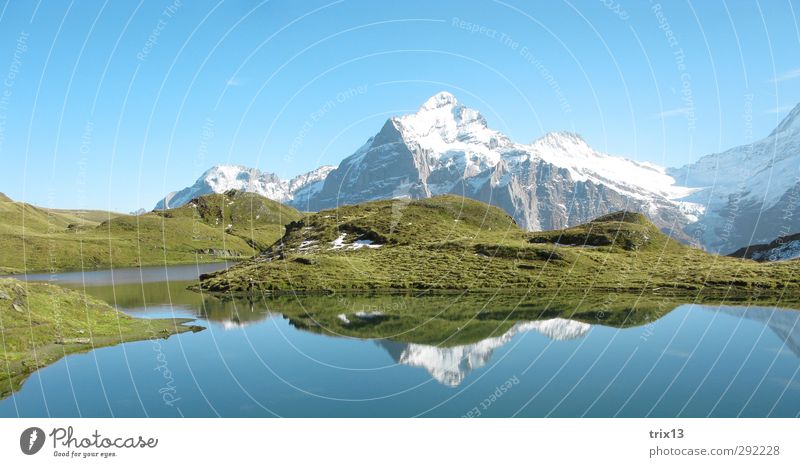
73	340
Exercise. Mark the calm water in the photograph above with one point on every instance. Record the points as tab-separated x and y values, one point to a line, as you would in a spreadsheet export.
422	356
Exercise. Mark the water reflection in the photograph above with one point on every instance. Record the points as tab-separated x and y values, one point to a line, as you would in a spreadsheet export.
451	365
784	323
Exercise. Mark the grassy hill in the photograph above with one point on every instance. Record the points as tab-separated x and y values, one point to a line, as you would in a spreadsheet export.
232	225
40	323
453	243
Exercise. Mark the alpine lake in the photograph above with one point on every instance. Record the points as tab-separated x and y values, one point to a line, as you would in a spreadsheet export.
420	354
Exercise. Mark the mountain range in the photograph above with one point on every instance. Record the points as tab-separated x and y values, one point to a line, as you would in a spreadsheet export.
722	202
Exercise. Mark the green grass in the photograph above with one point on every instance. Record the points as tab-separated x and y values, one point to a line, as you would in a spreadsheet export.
233	225
451	319
453	243
41	323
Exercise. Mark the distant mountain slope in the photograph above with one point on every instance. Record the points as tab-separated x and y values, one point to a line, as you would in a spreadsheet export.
221	178
217	226
554	182
454	243
783	248
749	194
752	192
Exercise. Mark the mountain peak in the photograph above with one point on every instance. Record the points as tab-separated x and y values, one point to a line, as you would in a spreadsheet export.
562	139
443	120
791	122
439	100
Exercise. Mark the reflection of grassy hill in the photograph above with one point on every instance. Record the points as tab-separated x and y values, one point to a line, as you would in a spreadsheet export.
213	226
131	296
41	323
447	319
452	243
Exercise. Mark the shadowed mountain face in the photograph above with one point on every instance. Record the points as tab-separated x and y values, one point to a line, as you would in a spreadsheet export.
451	365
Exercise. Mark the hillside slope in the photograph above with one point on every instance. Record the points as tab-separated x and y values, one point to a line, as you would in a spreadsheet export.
212	227
454	243
751	191
42	323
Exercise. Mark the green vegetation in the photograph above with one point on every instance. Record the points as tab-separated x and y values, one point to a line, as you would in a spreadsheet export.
453	243
233	225
447	320
41	323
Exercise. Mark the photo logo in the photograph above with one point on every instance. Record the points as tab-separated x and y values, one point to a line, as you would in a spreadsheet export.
31	440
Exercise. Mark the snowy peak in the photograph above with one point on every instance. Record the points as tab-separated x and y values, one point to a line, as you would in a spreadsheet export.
221	178
442	120
562	139
316	175
790	123
640	180
441	99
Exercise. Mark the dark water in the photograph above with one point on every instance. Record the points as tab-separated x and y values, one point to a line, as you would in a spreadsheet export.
447	356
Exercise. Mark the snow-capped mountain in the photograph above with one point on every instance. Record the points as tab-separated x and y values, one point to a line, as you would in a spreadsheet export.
556	181
751	192
221	178
450	365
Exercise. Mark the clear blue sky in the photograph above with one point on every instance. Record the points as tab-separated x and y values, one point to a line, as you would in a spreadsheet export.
93	114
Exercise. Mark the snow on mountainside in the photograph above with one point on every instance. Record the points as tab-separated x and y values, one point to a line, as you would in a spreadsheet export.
781	249
556	181
450	365
751	192
221	178
745	195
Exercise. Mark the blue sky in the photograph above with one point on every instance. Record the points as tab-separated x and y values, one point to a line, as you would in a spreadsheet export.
110	105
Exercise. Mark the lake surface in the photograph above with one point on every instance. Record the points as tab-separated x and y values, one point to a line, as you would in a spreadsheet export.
405	355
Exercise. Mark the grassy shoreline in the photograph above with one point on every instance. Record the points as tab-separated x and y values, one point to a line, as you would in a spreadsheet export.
42	323
210	228
453	243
